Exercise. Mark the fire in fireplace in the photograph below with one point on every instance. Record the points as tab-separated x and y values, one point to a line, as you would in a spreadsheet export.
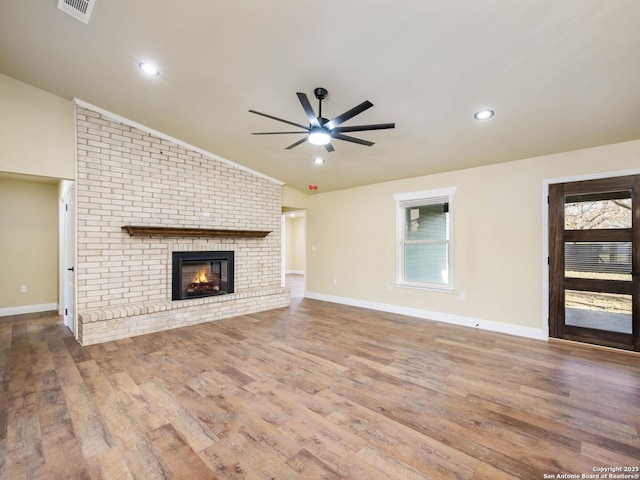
201	274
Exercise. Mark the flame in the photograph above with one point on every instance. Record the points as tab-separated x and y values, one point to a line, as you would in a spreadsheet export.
201	276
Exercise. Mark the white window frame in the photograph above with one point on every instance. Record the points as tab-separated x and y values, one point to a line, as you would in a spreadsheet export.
414	199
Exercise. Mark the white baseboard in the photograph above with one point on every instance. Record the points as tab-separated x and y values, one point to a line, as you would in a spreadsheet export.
43	307
518	330
296	272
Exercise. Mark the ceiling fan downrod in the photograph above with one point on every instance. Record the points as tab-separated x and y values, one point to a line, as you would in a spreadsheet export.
320	94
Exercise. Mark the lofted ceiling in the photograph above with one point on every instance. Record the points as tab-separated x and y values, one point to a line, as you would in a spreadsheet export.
560	75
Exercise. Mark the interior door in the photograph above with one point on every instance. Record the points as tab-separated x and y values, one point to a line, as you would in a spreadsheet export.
69	259
594	261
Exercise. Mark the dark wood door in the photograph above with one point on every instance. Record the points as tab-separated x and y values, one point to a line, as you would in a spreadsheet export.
594	261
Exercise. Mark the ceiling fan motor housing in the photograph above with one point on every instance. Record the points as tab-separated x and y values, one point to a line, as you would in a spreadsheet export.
320	93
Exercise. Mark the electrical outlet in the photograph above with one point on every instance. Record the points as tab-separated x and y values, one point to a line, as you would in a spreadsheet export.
23	289
389	288
463	296
335	282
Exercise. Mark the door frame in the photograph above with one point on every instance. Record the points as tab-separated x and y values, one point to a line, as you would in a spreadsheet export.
546	230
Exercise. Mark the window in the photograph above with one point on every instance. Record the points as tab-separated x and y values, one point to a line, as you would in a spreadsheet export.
424	239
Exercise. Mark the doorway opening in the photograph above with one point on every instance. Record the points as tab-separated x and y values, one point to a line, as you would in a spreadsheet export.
294	252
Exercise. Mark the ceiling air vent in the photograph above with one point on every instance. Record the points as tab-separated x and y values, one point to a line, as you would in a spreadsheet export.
80	9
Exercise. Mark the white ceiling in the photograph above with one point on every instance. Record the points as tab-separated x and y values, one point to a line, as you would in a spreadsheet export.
560	74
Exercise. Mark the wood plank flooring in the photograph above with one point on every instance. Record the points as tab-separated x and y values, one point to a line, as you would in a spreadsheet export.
316	391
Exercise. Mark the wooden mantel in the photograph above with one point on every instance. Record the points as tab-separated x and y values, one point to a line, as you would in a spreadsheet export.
192	232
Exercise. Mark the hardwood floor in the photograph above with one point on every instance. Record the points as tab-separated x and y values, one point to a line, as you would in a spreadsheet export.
317	391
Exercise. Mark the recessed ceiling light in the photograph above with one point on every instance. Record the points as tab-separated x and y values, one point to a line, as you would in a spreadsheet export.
318	161
485	114
149	68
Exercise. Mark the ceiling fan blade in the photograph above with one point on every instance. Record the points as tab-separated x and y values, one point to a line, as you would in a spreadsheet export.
362	128
331	124
280	119
296	144
347	138
276	133
308	109
329	147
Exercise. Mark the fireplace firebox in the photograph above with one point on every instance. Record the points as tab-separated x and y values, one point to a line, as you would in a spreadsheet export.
201	274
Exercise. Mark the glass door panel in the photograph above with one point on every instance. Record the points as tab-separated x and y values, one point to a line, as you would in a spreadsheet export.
602	311
598	260
598	211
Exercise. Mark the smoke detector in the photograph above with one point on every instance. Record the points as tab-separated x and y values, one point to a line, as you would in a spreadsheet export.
80	9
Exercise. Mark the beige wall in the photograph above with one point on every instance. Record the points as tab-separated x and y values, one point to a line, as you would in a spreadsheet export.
293	199
28	243
497	238
36	131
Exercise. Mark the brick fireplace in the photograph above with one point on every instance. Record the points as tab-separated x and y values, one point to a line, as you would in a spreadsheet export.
194	201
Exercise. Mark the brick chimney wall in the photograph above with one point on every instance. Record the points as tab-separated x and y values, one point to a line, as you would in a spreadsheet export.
127	176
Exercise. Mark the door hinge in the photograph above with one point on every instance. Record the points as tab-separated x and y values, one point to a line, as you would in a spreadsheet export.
66	312
548	260
66	207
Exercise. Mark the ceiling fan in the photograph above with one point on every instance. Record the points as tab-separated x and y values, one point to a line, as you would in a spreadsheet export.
321	130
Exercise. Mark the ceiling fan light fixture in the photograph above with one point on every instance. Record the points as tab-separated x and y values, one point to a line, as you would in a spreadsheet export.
319	136
318	160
